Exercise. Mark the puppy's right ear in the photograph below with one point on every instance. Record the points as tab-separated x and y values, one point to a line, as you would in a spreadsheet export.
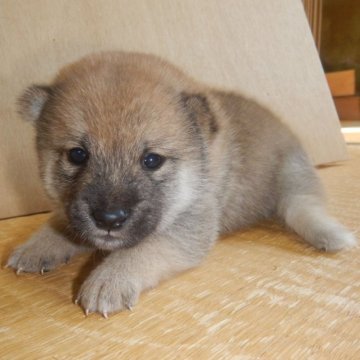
32	101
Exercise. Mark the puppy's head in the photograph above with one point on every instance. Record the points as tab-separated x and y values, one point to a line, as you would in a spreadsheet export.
122	145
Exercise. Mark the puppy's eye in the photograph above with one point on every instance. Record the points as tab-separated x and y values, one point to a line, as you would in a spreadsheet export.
152	161
77	156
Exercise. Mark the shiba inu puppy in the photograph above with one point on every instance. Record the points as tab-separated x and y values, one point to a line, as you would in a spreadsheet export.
144	162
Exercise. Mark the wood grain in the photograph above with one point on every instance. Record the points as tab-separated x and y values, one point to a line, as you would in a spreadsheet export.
314	13
342	83
262	48
348	107
260	294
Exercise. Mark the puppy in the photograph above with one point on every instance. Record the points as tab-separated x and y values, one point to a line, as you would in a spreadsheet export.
145	163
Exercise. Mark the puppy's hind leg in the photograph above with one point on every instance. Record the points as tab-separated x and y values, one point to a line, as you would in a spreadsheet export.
301	205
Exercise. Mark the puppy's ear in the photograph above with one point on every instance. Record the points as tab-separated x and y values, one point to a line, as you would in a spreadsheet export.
32	101
199	111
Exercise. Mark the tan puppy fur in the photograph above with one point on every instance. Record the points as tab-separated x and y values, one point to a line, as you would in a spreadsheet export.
142	161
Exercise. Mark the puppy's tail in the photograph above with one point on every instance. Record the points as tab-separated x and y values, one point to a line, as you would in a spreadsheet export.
302	207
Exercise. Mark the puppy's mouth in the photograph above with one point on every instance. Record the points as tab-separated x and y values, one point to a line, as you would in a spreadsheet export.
130	233
102	239
107	240
85	230
108	235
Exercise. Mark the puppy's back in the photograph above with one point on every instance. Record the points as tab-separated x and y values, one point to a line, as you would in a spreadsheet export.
257	144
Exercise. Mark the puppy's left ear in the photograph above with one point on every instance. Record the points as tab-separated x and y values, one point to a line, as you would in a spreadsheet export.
199	111
32	101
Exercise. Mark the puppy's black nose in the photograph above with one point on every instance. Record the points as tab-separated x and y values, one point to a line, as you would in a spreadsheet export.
110	220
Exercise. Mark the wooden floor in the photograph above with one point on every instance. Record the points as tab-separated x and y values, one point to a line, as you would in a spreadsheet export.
260	294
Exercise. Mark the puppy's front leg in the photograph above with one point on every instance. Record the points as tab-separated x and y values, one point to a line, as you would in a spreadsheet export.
117	283
46	249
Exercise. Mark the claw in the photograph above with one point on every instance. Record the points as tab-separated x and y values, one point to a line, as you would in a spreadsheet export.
105	315
18	271
42	271
76	301
6	266
129	307
87	312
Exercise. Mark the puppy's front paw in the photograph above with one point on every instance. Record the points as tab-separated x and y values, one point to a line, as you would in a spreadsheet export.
45	250
106	291
35	257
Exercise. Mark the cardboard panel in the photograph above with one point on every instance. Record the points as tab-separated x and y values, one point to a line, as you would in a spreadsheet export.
262	48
